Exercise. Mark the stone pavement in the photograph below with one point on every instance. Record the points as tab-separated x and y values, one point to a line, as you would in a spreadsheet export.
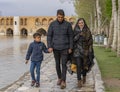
49	79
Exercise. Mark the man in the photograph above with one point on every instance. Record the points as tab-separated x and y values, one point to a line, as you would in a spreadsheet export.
60	41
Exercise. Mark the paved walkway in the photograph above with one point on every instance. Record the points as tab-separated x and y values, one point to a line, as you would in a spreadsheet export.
49	79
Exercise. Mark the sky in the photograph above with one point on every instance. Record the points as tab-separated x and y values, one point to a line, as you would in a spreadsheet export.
35	7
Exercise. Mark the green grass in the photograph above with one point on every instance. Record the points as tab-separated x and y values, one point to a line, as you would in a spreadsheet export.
109	66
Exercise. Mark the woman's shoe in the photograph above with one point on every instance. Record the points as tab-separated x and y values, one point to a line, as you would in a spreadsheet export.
59	82
63	84
84	79
79	83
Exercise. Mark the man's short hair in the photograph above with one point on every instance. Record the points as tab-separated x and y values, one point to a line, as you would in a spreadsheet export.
60	12
36	34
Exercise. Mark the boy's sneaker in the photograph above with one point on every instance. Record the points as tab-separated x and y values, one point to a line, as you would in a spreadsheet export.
33	82
37	84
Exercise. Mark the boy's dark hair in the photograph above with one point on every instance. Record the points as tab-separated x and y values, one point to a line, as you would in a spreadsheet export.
60	12
36	34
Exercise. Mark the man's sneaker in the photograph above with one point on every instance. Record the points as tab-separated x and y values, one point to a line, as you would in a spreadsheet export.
37	84
63	84
33	82
59	82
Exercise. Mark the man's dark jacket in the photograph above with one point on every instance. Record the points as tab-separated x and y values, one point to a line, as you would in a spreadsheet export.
60	35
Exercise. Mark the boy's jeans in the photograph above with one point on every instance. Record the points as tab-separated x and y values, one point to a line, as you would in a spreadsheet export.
32	68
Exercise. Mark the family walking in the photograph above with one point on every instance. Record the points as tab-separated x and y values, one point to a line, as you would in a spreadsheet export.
62	40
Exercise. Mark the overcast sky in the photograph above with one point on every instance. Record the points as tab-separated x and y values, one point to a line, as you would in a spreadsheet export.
35	7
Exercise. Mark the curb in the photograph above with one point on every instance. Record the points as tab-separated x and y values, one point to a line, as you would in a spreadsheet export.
99	84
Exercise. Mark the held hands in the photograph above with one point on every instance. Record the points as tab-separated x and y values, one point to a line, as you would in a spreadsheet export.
50	50
26	62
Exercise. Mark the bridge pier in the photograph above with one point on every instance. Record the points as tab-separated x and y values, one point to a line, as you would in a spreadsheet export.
16	26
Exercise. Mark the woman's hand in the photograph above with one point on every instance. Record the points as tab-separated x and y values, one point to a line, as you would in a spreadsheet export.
70	51
81	33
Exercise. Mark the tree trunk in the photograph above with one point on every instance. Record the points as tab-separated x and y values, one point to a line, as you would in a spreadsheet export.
114	7
95	20
118	49
98	15
111	31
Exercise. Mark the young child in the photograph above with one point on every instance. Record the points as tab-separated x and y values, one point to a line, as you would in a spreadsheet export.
35	52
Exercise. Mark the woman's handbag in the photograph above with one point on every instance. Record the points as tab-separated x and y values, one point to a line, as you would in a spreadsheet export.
74	68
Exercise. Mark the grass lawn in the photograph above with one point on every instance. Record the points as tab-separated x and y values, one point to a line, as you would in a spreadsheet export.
109	66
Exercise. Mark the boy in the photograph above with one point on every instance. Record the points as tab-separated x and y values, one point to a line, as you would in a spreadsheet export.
35	52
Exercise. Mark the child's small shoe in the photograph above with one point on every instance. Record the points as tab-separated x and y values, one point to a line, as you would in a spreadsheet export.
37	84
33	82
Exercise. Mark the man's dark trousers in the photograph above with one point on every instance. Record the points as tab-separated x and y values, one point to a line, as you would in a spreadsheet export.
61	57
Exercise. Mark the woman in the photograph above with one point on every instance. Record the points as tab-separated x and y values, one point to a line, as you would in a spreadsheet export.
83	51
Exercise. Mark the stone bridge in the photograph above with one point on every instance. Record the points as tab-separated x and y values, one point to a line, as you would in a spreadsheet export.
27	25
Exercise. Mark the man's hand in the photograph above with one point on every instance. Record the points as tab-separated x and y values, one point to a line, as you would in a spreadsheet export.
50	50
70	51
26	62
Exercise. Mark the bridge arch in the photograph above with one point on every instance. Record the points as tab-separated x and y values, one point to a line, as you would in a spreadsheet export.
37	21
44	21
2	21
71	20
50	20
9	32
7	21
23	32
42	31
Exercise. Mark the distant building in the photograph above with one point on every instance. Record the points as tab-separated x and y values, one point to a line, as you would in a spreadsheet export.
27	25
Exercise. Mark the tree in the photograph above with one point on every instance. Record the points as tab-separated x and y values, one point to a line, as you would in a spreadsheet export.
85	10
118	50
114	7
99	13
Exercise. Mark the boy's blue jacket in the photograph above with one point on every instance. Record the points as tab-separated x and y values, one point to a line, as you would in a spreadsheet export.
35	51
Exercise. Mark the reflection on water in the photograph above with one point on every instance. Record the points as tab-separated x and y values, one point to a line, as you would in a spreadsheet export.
12	58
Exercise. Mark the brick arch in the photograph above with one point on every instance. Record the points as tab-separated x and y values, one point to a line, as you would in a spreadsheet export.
25	21
9	32
37	21
44	21
11	21
71	20
23	32
50	20
42	31
2	21
7	21
21	21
